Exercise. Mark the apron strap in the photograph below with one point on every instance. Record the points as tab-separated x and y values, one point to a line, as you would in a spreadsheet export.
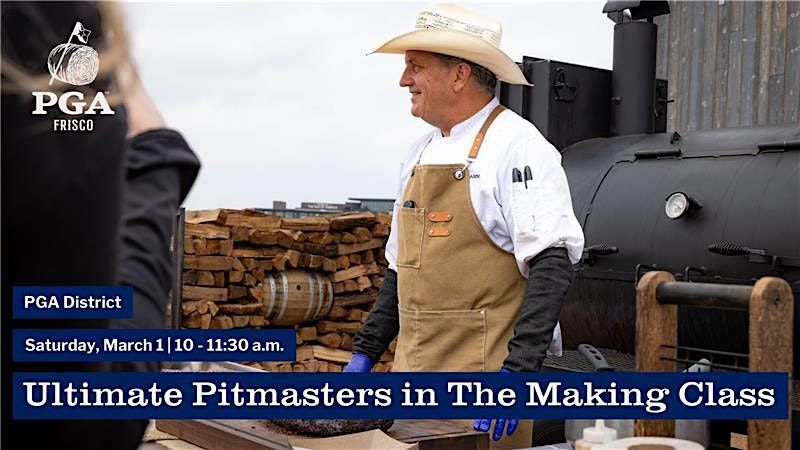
476	144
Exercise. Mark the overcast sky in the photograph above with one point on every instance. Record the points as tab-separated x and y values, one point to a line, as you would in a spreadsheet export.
281	103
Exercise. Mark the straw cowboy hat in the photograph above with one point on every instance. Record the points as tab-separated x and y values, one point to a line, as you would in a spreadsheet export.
453	30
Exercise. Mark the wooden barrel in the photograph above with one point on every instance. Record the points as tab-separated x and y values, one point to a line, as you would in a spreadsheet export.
296	296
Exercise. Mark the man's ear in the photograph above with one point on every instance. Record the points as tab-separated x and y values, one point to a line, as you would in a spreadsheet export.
462	73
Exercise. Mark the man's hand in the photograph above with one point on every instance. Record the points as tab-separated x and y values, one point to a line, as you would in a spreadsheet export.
507	425
359	363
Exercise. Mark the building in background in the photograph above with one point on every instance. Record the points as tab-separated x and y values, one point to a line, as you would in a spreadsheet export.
318	208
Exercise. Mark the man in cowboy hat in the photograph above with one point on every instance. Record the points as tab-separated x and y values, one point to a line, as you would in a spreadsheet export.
483	232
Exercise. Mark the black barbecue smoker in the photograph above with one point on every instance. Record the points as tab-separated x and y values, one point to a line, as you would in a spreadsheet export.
718	205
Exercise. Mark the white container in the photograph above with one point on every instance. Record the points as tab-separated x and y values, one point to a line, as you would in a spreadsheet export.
598	434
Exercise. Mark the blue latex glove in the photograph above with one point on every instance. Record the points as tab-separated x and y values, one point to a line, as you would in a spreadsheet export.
358	363
499	426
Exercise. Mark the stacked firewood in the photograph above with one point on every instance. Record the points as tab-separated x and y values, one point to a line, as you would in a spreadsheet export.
228	254
326	345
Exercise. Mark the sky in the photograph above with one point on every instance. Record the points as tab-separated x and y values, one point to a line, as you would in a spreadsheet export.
281	102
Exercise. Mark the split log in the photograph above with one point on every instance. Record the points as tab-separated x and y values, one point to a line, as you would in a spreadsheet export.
221	323
381	230
337	312
323	238
332	340
189	277
383	218
235	276
197	321
236	291
311	366
219	279
347	343
377	280
252	219
240	309
354	272
189	307
368	257
226	247
313	223
338	288
346	249
208	262
348	238
240	321
353	315
304	353
240	234
327	326
255	252
205	293
342	262
208	231
355	259
328	265
307	333
362	298
330	354
236	264
259	237
249	280
213	309
188	245
205	215
270	366
205	278
258	321
364	283
362	234
347	221
258	274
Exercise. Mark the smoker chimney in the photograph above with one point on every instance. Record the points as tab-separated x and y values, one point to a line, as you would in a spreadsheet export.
634	73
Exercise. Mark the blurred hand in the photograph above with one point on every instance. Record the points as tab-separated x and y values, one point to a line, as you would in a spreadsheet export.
143	115
358	364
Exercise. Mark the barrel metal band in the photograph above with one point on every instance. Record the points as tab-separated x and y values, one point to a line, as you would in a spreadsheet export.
311	297
272	292
285	296
320	293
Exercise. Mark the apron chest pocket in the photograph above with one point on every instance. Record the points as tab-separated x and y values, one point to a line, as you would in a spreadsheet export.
411	228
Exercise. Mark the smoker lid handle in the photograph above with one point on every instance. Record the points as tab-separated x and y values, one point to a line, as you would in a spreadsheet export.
595	357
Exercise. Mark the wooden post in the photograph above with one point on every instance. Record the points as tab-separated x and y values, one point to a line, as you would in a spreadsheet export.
770	326
656	325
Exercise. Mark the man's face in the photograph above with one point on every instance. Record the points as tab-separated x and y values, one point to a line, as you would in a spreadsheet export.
427	78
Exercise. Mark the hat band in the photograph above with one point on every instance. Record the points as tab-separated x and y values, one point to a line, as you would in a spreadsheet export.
430	19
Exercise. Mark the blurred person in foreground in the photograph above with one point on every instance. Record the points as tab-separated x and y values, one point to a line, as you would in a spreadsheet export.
483	232
83	207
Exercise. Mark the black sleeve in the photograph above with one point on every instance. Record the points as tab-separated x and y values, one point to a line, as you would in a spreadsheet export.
548	280
382	324
160	169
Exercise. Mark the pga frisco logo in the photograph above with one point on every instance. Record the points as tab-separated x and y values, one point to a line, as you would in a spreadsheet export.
77	65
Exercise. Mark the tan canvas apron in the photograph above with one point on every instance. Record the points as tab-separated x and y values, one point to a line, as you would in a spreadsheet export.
459	293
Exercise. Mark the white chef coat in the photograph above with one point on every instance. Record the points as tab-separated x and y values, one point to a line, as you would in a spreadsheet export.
523	221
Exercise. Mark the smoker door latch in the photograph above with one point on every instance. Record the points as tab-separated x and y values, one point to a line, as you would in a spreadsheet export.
590	253
687	272
754	255
641	269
